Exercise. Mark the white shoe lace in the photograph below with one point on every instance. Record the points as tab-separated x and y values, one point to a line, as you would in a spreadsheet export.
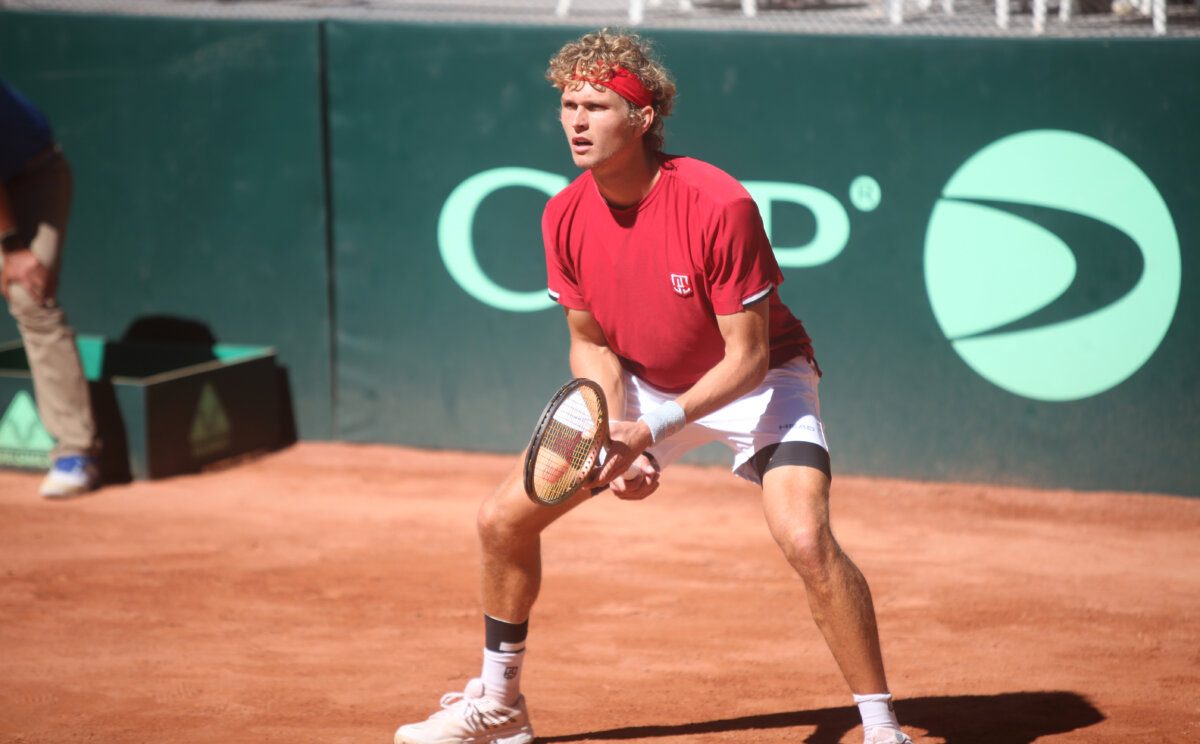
475	709
886	735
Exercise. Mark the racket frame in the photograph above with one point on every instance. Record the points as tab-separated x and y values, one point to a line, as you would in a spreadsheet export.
601	440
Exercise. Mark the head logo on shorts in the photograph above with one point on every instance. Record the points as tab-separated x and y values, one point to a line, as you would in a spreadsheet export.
1052	265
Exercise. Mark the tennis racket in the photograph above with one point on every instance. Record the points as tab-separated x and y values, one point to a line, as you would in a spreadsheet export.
569	443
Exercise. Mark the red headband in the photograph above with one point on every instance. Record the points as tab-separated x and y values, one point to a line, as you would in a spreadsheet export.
624	83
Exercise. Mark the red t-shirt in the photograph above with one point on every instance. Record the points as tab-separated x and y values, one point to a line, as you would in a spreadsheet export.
656	275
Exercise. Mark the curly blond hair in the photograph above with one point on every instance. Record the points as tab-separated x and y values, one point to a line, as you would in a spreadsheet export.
593	56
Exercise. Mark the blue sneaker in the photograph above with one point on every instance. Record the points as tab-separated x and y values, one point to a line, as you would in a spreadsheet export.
71	476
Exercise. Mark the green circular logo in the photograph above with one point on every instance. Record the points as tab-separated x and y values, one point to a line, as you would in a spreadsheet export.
1052	265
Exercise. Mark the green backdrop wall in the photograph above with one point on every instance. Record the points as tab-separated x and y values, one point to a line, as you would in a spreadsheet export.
199	179
420	113
927	198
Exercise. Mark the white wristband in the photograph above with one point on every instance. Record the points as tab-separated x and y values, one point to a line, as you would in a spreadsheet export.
664	420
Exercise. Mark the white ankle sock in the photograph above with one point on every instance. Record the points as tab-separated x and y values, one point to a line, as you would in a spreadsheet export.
876	710
501	675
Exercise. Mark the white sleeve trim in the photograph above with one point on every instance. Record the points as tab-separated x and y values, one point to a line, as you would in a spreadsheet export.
758	295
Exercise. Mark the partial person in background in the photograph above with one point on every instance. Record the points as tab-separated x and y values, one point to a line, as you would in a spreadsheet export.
35	203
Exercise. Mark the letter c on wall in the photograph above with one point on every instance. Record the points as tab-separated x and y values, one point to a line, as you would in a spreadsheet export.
457	221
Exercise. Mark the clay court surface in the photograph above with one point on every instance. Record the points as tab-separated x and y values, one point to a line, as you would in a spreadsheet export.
327	593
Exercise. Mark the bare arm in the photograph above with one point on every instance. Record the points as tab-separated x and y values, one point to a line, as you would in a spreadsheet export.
8	220
592	358
20	265
747	356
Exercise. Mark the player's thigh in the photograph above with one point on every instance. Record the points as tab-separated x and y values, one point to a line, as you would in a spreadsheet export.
796	505
509	512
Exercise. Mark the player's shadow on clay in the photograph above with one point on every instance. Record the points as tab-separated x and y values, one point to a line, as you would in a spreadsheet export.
1006	718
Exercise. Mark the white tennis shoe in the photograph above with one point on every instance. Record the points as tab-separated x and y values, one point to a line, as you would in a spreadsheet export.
885	735
468	717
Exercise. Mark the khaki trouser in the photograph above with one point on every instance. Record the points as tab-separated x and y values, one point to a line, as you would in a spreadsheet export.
41	201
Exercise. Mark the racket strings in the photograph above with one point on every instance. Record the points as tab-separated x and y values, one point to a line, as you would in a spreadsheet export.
569	445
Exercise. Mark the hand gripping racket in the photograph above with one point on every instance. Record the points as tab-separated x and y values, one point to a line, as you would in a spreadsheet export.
568	444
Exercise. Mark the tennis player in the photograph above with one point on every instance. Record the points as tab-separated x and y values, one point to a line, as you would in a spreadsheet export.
669	287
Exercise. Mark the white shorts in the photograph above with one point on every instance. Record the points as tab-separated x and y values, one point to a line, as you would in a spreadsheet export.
784	408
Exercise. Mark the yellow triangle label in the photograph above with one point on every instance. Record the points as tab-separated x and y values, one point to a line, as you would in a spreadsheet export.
24	442
211	432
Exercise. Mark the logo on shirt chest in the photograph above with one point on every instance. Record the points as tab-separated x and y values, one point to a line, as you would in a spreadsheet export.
682	284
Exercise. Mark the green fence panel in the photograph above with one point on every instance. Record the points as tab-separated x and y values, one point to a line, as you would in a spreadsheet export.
199	179
990	241
415	111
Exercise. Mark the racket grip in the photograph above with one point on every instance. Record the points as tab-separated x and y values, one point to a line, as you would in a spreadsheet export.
633	472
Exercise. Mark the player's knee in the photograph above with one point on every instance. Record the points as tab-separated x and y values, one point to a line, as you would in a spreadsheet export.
489	522
498	525
810	550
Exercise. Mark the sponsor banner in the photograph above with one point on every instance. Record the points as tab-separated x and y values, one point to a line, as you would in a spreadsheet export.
992	260
990	241
160	409
211	434
24	442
